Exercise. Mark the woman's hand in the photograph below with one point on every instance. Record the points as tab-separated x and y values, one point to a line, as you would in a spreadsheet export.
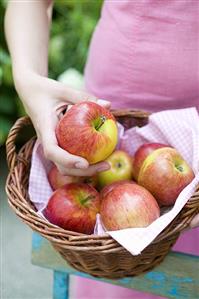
44	99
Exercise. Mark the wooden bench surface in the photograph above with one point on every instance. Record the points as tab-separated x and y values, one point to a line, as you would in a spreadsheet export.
176	277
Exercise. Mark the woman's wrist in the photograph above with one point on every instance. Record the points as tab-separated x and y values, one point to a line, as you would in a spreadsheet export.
24	80
21	75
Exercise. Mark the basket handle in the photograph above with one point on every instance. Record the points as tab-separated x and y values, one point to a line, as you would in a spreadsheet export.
11	139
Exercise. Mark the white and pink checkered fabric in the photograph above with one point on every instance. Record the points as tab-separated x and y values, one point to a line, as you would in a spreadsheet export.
179	128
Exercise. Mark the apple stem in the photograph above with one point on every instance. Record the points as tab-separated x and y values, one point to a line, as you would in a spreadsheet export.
101	122
83	201
180	168
119	165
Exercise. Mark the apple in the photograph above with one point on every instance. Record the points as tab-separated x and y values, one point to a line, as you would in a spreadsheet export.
110	187
88	130
165	174
120	169
57	180
127	205
74	207
140	155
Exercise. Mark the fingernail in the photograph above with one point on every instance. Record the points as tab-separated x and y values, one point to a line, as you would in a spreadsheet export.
81	165
103	167
103	102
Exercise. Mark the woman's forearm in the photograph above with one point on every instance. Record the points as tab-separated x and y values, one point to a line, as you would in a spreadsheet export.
27	25
27	31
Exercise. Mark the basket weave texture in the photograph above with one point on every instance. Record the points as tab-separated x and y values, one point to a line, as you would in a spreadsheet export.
100	256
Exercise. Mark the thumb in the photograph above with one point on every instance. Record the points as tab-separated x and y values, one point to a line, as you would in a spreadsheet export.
51	149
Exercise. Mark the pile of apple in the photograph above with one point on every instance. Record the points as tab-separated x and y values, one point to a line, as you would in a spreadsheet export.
129	194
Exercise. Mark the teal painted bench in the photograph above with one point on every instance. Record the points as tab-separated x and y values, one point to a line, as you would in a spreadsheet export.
176	277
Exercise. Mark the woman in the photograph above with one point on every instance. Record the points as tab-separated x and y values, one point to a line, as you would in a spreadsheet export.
143	54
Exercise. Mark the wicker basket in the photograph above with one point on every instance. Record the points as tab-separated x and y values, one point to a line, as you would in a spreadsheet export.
100	256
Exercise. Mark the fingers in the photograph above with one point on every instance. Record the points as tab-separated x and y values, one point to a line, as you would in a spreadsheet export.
61	157
104	103
51	149
73	96
195	222
90	171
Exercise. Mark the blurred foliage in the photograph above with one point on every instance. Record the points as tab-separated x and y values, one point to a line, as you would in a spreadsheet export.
71	30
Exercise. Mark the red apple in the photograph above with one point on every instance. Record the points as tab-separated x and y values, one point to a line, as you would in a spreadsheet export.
127	205
110	187
165	174
120	169
88	130
140	155
57	180
74	207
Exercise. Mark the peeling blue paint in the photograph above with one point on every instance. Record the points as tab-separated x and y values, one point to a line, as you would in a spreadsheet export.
36	241
173	291
156	276
159	276
125	280
61	285
183	279
187	279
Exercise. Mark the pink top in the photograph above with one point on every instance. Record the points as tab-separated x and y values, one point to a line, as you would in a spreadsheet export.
145	54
